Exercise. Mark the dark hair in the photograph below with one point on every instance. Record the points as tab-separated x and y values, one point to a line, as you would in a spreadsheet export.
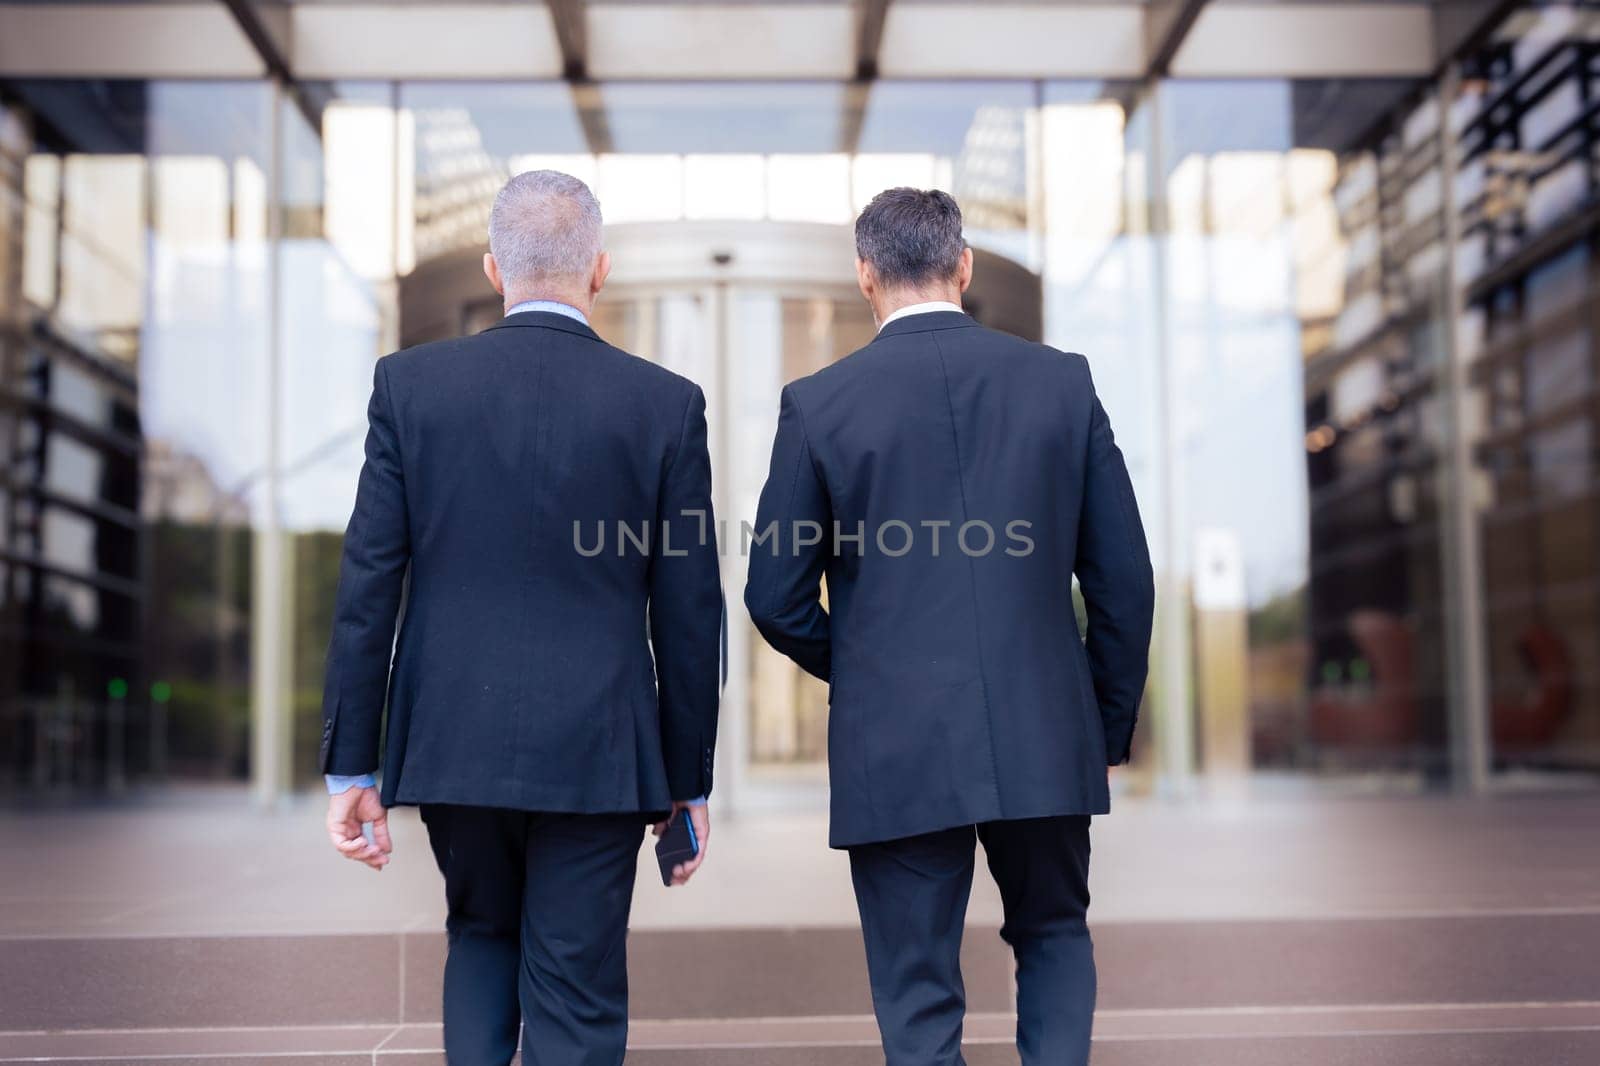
911	236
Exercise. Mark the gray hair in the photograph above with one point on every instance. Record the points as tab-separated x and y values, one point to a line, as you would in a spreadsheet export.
544	224
911	236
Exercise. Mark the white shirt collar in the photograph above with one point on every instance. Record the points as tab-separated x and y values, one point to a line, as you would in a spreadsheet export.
553	306
922	309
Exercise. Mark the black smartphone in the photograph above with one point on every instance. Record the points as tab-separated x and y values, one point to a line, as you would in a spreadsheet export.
676	845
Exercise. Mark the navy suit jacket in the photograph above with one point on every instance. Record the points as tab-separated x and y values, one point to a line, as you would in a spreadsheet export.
960	688
523	676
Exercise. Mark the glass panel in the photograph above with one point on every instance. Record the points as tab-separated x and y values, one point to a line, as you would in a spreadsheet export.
977	140
788	337
1526	189
1305	313
800	152
133	243
342	146
1098	294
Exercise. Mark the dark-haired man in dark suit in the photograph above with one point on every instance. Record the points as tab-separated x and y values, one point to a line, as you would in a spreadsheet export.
949	481
545	701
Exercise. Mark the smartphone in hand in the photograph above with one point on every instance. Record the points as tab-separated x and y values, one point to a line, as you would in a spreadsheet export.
676	846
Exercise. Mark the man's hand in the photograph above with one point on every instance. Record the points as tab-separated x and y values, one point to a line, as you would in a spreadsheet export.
346	813
699	816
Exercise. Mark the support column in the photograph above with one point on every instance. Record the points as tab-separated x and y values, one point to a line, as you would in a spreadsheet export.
272	665
1173	683
271	661
1466	648
733	725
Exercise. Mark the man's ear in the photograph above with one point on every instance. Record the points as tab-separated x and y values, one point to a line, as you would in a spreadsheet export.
602	270
865	279
964	269
491	270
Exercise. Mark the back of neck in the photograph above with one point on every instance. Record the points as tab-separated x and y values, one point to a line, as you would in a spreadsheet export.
512	300
898	301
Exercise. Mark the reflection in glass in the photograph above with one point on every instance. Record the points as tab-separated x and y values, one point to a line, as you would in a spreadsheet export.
1526	188
1268	257
789	708
343	161
134	302
1304	251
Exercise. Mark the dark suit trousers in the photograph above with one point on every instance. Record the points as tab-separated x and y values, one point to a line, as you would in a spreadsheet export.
538	925
913	894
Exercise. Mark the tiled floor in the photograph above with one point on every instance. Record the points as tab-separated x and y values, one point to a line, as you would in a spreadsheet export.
1414	1036
1318	931
211	865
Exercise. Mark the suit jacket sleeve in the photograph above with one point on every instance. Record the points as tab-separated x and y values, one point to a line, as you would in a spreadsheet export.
784	592
686	610
1114	574
377	549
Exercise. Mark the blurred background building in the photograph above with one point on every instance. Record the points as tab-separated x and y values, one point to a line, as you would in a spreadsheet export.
1333	266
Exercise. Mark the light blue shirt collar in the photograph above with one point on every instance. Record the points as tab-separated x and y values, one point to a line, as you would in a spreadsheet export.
555	307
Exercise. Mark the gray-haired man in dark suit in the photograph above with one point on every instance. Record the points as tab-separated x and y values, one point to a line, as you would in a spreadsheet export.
532	714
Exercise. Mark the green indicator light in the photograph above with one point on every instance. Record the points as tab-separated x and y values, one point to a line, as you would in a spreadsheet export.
1359	670
1330	673
117	688
161	692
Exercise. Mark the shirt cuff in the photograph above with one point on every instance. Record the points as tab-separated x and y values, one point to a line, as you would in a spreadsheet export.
698	801
338	783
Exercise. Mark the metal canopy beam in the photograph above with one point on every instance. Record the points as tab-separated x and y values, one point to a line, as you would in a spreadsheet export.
591	108
1461	24
1167	23
870	17
271	44
268	45
571	21
572	34
856	94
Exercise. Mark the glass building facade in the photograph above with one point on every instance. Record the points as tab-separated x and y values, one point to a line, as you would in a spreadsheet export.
1345	329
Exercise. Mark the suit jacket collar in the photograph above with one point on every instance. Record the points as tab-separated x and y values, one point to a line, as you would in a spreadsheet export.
927	321
546	320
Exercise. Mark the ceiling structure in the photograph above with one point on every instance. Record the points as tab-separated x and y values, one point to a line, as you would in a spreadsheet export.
649	40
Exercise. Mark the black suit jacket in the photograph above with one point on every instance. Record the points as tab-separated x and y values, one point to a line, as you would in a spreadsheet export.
960	688
523	676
